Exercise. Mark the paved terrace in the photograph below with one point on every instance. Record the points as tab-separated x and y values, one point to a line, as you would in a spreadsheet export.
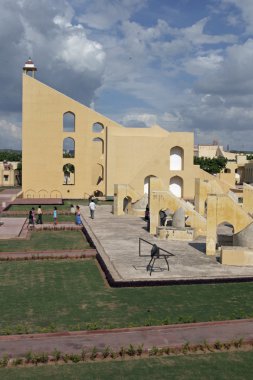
117	241
7	196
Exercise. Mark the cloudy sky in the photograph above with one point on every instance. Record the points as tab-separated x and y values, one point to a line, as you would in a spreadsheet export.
183	64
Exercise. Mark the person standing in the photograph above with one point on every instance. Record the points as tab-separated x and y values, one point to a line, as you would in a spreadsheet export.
39	215
30	220
78	216
33	215
92	207
55	215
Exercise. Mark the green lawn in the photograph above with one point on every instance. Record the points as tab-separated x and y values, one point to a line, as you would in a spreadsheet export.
222	366
70	295
63	207
46	218
46	241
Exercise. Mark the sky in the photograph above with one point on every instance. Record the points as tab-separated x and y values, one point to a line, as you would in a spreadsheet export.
185	65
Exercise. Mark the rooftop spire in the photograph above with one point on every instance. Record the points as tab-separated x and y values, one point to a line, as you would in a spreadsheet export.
29	66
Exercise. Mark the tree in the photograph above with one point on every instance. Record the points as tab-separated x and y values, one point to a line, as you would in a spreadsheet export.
211	165
11	156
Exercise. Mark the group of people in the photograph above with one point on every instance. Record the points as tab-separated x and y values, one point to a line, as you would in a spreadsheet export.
36	218
32	217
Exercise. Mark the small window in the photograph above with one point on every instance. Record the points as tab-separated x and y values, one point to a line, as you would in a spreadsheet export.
68	148
6	178
68	174
100	144
68	122
97	127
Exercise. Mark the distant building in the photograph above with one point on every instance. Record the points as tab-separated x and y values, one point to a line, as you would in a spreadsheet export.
9	174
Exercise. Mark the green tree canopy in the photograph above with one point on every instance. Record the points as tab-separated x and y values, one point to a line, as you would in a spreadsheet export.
9	155
211	165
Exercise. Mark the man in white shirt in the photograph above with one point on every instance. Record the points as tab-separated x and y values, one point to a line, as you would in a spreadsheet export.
92	207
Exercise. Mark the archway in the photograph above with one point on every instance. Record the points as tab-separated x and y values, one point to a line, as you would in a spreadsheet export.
127	204
176	158
68	174
68	122
224	231
97	127
176	186
68	148
147	183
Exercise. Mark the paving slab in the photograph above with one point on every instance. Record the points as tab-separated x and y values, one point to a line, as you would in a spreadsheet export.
11	227
159	336
116	239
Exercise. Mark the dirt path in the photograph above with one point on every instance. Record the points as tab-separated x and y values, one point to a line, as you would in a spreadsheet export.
160	336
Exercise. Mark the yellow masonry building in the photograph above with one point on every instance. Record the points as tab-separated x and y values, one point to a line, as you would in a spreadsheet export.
71	151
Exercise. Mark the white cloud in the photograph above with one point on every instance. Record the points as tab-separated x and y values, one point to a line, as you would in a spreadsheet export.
103	14
246	8
10	135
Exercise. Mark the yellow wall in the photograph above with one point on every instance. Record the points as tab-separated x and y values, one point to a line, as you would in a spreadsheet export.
130	154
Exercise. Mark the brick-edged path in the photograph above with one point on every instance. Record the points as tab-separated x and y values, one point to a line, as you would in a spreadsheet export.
160	336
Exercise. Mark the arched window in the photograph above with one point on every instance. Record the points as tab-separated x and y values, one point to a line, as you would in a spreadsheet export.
176	158
99	145
97	127
69	122
146	183
68	148
176	186
68	174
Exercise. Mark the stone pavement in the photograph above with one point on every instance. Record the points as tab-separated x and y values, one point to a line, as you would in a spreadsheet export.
11	227
116	239
7	196
159	336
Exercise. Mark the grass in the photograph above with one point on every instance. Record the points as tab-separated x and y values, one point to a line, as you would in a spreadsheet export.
71	295
46	218
46	241
232	366
65	206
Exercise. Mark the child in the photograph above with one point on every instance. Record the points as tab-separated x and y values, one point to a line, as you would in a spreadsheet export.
55	215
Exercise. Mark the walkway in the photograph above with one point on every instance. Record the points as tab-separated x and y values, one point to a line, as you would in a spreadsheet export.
116	239
160	336
7	196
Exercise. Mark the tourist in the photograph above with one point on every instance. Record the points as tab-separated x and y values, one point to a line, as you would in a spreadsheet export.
30	220
39	215
55	215
72	209
147	213
78	216
92	207
33	215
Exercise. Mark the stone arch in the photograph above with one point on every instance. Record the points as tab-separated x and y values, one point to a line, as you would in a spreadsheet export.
55	194
43	193
68	122
97	174
176	186
100	145
224	233
147	183
127	204
176	158
30	194
221	208
97	127
68	148
68	174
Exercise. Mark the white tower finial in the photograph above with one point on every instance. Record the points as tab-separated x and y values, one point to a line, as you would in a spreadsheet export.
29	66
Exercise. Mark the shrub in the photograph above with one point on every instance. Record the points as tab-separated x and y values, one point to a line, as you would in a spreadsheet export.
94	353
131	351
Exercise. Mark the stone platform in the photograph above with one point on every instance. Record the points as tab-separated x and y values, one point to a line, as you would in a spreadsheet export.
11	227
116	239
